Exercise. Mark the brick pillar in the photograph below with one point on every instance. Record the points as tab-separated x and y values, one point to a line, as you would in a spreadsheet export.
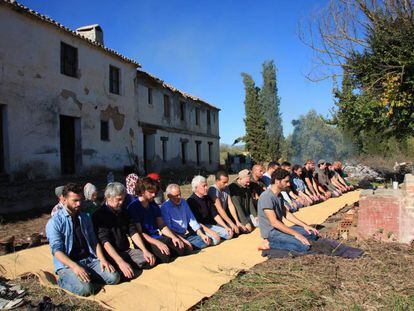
409	184
379	213
388	214
407	213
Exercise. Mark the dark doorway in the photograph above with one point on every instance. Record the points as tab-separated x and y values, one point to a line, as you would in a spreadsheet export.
2	153
149	150
70	144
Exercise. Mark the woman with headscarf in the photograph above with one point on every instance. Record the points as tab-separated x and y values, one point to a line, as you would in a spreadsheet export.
131	184
91	204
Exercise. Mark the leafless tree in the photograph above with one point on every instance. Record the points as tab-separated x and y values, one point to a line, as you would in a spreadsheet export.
340	31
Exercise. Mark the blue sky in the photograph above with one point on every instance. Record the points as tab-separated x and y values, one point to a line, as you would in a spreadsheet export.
201	47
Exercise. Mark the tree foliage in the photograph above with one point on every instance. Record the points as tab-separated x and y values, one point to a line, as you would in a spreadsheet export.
313	138
270	106
372	42
256	136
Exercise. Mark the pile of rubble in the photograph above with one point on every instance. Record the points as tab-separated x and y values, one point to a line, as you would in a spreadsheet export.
342	225
360	172
363	172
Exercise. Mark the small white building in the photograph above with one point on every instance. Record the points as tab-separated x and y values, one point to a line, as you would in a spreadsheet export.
69	105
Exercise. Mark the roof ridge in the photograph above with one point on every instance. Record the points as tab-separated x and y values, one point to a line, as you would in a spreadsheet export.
24	9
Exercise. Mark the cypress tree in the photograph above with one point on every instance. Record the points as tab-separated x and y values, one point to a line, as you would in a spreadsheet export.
269	103
255	123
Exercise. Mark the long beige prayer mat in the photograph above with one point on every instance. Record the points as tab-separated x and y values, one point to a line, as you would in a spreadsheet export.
183	283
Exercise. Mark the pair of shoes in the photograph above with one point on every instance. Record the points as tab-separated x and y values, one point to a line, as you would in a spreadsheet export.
6	304
10	295
11	291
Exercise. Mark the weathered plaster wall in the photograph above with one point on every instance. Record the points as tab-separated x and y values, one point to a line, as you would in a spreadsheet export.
36	93
154	113
176	129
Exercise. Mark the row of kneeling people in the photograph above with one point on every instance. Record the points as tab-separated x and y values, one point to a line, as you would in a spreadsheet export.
94	244
309	184
134	228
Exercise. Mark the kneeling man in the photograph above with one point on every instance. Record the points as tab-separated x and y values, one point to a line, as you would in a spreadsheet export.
114	226
146	214
271	211
78	257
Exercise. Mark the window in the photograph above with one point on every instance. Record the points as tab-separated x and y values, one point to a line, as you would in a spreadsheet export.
114	79
210	151
208	118
198	151
105	130
164	148
197	116
166	106
182	111
68	60
183	151
150	96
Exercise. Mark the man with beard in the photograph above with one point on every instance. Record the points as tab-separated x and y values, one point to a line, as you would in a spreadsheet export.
323	181
257	186
219	194
271	211
308	177
146	214
78	257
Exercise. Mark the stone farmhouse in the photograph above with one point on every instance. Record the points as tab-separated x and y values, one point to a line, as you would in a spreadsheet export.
69	104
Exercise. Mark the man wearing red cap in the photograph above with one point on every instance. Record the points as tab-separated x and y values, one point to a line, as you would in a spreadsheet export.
159	197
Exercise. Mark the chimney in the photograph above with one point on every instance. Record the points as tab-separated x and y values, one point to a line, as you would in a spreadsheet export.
92	32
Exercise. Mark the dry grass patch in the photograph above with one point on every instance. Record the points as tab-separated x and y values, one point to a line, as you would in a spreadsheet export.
382	280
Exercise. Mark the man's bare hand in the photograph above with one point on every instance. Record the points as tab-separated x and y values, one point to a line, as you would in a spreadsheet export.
301	238
126	269
81	274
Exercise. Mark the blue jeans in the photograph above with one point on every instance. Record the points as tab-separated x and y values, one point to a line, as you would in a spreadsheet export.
196	241
220	231
69	281
280	240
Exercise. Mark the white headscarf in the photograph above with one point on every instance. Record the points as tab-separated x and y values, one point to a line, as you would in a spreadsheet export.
89	190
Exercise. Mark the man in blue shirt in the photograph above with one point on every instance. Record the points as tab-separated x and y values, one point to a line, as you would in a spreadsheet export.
146	214
78	257
178	217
